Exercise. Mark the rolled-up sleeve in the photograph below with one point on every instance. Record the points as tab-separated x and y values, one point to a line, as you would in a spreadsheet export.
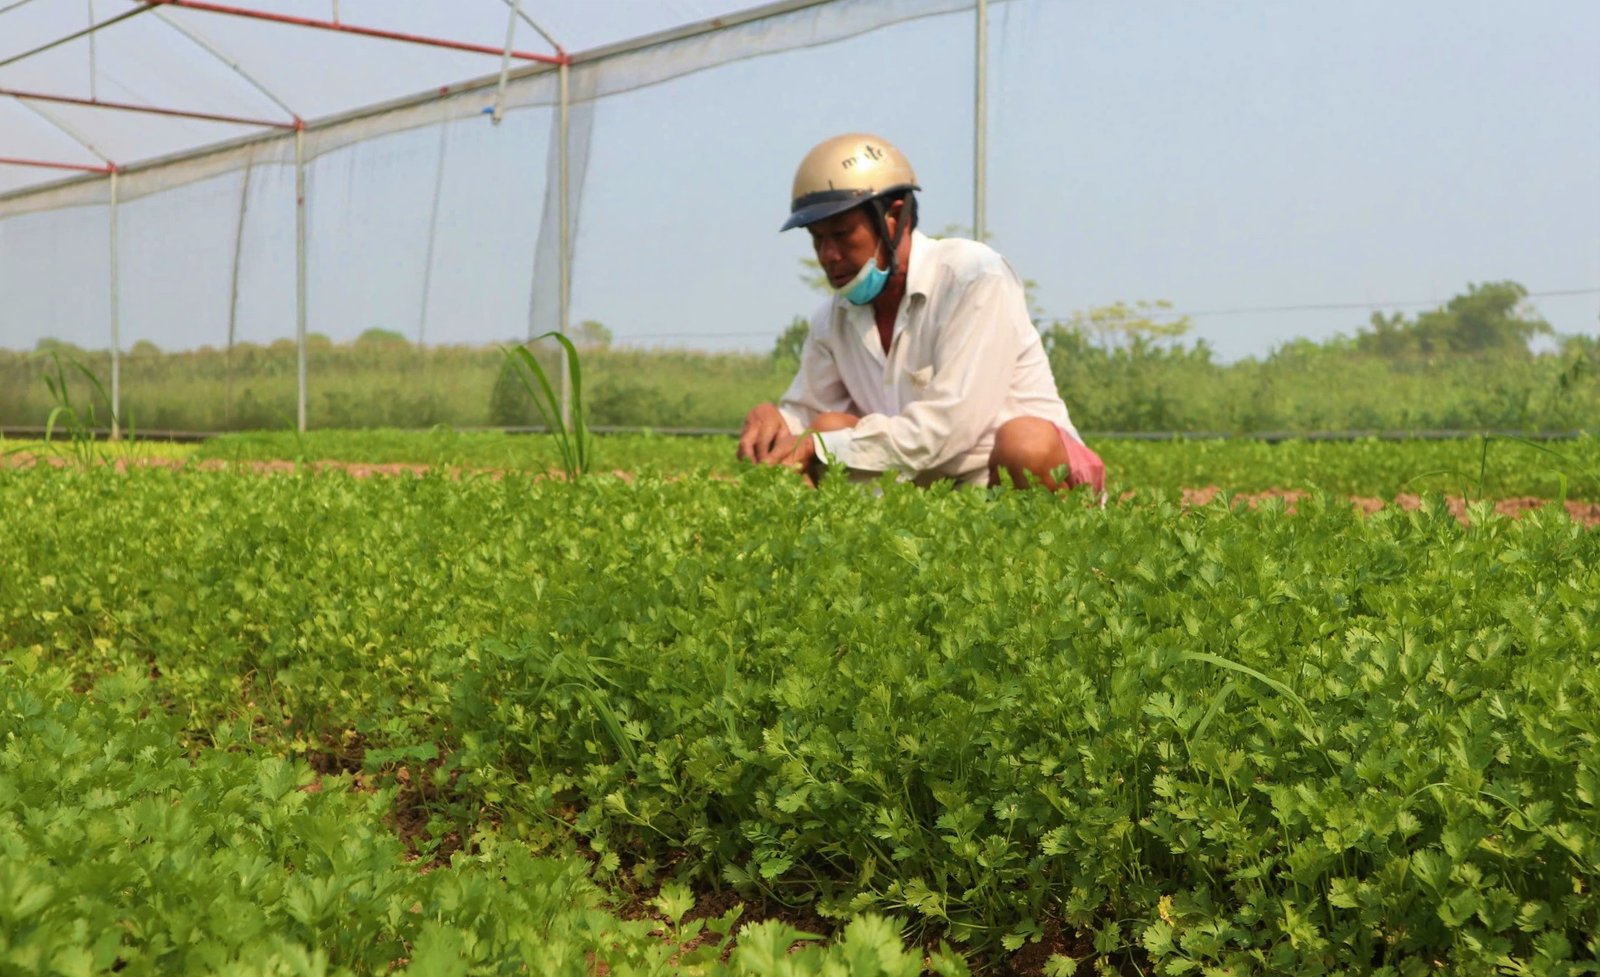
976	356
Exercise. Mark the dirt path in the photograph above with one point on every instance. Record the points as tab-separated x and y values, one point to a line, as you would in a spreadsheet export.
1585	513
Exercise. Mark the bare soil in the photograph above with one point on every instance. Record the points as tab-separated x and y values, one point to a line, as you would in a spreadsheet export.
1585	513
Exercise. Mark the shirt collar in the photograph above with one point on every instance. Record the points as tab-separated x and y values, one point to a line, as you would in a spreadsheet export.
919	275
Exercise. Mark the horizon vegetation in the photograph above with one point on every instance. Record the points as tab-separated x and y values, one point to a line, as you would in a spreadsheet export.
1466	365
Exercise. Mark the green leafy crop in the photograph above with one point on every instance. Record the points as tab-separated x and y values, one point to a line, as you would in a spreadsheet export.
123	853
1473	468
1201	740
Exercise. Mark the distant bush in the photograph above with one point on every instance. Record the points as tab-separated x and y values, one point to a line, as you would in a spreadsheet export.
1488	318
381	337
787	349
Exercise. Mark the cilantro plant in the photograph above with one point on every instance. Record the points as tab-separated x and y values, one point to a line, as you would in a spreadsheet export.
122	852
1197	739
1475	468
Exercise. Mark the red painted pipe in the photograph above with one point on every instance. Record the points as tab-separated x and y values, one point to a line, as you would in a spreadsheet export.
330	25
152	109
47	164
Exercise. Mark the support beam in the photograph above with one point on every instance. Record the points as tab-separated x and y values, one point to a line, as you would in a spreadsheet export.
194	37
52	165
51	45
300	277
980	126
116	319
71	133
516	8
505	62
478	85
94	73
343	28
233	293
433	235
14	5
95	103
565	292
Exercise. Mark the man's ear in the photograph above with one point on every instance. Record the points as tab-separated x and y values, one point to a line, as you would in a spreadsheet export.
892	215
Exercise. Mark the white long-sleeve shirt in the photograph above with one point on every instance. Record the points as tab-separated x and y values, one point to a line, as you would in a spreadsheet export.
964	359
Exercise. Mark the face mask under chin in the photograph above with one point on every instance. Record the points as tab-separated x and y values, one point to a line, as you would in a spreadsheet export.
867	285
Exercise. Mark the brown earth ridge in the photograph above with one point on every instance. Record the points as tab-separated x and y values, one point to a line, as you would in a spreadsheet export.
1584	513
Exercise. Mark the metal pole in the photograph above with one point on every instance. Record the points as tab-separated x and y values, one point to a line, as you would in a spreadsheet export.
116	325
565	291
433	228
52	165
71	132
505	62
516	8
237	68
233	296
12	6
96	103
980	124
87	31
300	274
272	17
94	88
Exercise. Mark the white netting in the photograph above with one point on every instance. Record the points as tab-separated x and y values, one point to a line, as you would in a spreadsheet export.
1123	143
55	275
427	219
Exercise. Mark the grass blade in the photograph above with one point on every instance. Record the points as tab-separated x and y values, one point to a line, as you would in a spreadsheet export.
573	442
1266	680
1216	707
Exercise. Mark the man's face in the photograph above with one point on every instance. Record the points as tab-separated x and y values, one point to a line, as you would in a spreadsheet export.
843	243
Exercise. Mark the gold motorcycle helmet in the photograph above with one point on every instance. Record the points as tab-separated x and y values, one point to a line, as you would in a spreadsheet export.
848	171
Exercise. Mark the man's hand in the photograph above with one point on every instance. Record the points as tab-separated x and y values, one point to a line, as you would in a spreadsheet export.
803	458
765	438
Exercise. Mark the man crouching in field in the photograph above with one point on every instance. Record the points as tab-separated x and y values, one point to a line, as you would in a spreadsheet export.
925	362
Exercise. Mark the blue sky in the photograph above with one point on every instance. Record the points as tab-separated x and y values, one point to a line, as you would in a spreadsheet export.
1217	156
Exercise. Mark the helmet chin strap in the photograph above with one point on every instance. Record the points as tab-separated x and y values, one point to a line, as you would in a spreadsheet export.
880	211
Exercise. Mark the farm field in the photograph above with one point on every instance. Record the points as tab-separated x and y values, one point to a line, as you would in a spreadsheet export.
473	723
1468	468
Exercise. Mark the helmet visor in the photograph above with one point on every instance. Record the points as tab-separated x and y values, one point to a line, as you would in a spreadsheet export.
817	206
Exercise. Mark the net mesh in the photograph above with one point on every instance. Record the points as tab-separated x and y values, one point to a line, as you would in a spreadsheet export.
430	221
